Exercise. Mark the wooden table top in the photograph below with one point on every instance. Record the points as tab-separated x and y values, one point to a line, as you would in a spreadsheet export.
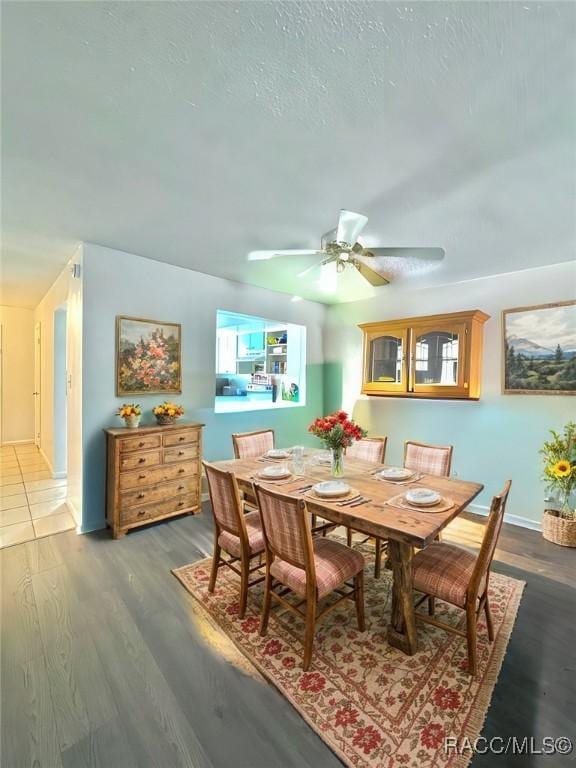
418	528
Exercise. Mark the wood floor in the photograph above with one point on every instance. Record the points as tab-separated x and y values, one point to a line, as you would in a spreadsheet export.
107	661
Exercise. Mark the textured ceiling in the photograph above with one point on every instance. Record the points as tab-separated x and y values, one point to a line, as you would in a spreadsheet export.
195	132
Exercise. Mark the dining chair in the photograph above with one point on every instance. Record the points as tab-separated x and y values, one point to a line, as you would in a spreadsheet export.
373	450
428	459
251	445
239	535
311	568
448	572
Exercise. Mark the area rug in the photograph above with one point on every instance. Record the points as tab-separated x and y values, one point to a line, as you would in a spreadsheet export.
374	706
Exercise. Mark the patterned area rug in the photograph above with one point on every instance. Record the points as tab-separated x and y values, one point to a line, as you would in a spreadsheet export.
374	706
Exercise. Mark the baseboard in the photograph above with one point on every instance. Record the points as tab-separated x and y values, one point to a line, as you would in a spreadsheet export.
523	522
18	442
75	515
55	475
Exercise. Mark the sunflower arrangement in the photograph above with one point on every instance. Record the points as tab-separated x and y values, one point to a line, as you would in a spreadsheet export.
560	466
130	413
167	413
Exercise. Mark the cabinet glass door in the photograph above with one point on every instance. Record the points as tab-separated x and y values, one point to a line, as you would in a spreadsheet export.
438	358
385	363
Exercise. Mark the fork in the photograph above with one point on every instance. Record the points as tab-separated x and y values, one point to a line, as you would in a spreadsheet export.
362	500
349	501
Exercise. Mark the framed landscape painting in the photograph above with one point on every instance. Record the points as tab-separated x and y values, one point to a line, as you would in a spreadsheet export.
148	357
540	349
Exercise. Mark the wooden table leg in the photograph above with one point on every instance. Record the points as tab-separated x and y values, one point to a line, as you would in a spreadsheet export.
402	627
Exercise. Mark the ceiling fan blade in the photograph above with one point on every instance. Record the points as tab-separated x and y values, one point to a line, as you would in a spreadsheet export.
264	255
425	254
350	225
369	274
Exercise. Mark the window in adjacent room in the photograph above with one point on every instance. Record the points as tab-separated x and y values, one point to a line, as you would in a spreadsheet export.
260	363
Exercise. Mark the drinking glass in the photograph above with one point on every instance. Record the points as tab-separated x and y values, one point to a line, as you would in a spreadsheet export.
298	459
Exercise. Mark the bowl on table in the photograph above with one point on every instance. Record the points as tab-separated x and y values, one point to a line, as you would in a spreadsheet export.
423	497
331	489
277	453
323	457
274	472
395	473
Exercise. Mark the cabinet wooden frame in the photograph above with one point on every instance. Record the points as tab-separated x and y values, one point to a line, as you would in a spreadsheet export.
153	473
469	328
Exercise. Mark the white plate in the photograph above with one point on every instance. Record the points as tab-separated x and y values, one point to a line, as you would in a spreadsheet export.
331	489
422	497
395	473
276	453
274	472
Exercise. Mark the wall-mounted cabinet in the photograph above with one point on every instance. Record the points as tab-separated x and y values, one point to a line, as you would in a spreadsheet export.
437	356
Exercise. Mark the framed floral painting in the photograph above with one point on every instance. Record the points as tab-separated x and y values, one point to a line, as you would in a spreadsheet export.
148	357
540	349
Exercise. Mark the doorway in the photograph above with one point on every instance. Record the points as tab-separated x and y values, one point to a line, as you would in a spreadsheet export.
60	393
37	384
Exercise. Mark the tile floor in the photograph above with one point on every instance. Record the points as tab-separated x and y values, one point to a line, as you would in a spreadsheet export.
32	503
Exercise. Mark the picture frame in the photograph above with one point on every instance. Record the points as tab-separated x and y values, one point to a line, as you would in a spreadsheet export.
148	357
539	349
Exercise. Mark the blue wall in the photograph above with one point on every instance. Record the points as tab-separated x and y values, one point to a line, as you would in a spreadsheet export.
117	283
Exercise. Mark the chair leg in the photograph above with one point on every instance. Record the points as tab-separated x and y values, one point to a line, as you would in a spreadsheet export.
309	631
378	561
215	563
359	599
431	605
266	603
244	565
489	623
349	536
471	638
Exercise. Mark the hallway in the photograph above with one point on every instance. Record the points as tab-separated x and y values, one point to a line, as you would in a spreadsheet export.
32	503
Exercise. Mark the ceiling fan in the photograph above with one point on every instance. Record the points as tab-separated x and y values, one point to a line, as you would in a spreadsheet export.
341	246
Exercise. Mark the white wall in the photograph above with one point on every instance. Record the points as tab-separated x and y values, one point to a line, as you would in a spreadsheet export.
17	404
495	438
66	292
118	283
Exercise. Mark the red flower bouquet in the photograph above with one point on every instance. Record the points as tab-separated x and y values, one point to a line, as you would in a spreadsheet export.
337	430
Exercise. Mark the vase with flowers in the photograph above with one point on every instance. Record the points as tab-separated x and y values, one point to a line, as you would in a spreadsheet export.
559	455
337	432
167	413
130	413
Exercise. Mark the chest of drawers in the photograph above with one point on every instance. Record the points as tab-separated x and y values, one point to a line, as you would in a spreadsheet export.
152	473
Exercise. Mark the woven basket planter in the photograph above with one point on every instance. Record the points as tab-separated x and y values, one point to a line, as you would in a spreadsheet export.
164	419
558	530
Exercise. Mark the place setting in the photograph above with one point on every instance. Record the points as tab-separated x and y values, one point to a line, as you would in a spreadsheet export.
276	455
336	492
397	475
279	474
421	500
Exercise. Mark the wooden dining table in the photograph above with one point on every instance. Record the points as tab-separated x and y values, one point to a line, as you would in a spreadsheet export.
404	529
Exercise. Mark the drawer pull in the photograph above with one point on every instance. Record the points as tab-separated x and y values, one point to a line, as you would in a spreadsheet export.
141	477
142	513
141	444
181	487
182	438
181	503
181	471
180	453
141	496
142	460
